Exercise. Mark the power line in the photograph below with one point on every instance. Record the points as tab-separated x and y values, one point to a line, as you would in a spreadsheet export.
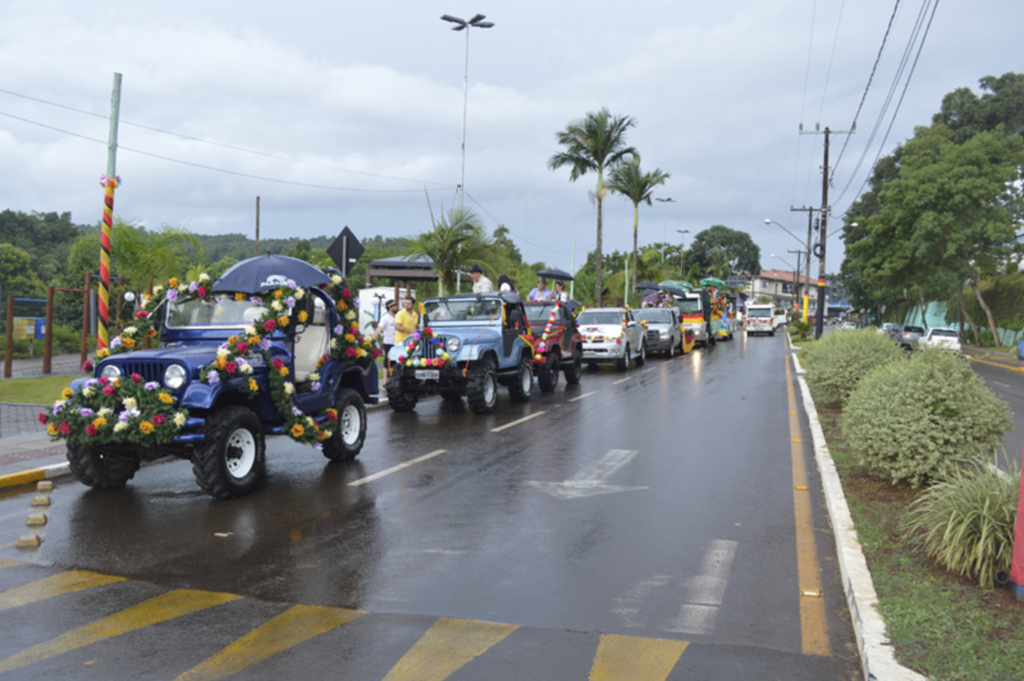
219	144
527	240
803	101
828	72
213	168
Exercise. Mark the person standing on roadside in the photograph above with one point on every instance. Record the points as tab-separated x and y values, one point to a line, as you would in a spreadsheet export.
542	293
406	321
481	284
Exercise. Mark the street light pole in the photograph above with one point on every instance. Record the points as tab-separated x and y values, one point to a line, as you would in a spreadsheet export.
460	24
663	220
682	232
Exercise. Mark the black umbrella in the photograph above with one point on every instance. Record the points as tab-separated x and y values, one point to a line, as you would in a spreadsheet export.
265	272
674	290
647	285
556	274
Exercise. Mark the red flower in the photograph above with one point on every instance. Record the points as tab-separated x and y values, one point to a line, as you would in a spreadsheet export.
109	390
269	325
42	418
104	380
137	378
278	362
401	359
64	428
427	331
377	353
241	348
87	366
201	291
351	352
231	367
346	293
142	314
332	416
90	429
158	419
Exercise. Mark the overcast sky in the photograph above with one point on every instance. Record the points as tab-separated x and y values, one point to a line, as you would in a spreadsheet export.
364	101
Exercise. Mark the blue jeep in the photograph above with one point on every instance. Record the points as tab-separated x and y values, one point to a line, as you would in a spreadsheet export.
224	434
467	345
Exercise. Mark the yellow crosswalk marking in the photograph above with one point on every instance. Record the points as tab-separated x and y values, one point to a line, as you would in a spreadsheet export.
63	583
636	659
288	629
447	646
7	562
160	609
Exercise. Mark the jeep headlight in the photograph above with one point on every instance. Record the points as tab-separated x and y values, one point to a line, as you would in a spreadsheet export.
453	345
110	371
175	376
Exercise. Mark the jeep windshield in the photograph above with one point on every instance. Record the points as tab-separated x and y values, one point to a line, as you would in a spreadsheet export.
465	310
592	317
226	312
654	315
539	314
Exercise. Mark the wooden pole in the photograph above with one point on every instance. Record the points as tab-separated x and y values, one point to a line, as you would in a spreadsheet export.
48	336
9	348
85	317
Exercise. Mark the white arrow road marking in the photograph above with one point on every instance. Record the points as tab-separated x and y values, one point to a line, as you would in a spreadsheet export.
591	481
705	591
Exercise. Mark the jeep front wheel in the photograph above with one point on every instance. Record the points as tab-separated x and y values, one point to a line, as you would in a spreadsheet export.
98	468
400	399
482	388
232	459
547	373
520	388
575	370
345	444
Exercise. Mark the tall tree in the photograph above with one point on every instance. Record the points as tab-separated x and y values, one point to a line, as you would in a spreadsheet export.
457	240
741	253
593	143
634	184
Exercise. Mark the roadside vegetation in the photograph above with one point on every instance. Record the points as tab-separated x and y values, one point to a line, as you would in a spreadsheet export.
37	390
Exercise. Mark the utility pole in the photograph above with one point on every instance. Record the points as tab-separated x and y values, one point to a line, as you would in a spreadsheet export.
796	276
257	225
807	275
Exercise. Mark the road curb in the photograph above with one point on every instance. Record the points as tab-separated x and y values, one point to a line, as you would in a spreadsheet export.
876	651
35	474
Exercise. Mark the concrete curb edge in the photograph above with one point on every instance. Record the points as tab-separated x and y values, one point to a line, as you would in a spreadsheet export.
876	651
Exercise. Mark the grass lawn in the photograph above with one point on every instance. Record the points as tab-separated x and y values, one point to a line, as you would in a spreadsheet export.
41	390
942	625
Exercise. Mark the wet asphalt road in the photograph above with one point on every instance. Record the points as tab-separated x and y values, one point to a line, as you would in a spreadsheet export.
656	505
1009	387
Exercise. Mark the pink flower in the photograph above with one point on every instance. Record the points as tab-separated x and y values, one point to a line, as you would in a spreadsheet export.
201	291
109	390
377	353
87	366
104	380
158	419
90	429
269	325
142	314
42	418
351	352
346	293
331	416
278	362
231	367
241	348
64	428
136	378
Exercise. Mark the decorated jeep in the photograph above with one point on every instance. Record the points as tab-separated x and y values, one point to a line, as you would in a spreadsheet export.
272	347
467	345
557	343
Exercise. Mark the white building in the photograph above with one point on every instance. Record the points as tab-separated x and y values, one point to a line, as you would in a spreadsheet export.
780	286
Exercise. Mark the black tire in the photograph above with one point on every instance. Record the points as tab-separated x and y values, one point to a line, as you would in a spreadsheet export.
520	388
623	363
547	373
451	396
641	359
346	442
400	399
575	370
481	388
232	459
101	469
671	352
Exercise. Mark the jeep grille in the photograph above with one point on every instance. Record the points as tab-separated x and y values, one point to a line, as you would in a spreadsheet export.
150	371
429	350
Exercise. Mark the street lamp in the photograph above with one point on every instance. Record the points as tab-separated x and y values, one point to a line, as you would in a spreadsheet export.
769	221
682	269
475	22
663	222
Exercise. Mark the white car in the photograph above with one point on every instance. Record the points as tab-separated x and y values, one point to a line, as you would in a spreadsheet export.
849	325
941	337
612	334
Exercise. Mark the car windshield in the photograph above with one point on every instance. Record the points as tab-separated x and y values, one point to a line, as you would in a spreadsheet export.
469	309
221	311
595	317
688	305
654	315
944	332
539	313
913	329
759	312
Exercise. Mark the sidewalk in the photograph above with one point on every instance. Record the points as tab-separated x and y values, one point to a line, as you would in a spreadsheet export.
29	458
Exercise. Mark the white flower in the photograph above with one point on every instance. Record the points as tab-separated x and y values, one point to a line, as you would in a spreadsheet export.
59	404
182	288
276	306
104	412
350	315
245	368
334	344
129	403
249	331
204	277
130	331
119	426
179	419
223	352
299	293
157	290
310	422
314	376
88	392
336	279
289	388
329	434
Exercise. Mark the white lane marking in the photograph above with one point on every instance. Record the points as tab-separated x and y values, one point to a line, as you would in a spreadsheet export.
705	591
395	469
445	552
646	370
592	480
621	380
629	606
577	399
1002	384
517	422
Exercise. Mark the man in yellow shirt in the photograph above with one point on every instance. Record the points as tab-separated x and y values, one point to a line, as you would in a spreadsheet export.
406	321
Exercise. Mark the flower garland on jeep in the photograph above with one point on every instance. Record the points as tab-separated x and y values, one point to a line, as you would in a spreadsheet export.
349	344
543	346
413	343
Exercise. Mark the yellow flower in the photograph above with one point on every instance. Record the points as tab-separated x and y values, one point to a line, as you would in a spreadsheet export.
128	342
172	282
220	362
239	297
253	385
350	338
51	428
342	306
166	398
252	340
146	427
298	430
103	352
303	316
283	371
332	412
323	435
367	344
360	353
279	293
282	320
232	339
97	422
67	393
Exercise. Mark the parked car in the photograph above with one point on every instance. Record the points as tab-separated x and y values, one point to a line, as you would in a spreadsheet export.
612	334
909	336
849	326
557	343
941	337
885	329
467	345
664	332
895	330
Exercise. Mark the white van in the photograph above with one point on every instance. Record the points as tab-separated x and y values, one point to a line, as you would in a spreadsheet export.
781	318
760	318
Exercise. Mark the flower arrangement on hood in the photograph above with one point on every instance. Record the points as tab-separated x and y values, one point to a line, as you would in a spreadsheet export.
413	343
349	344
114	411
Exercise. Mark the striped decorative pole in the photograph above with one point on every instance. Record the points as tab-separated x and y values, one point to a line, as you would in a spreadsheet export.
110	182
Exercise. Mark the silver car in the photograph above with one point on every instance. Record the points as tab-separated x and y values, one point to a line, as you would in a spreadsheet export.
663	329
612	334
908	336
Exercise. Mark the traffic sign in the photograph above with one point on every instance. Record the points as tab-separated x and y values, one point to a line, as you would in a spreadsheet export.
345	251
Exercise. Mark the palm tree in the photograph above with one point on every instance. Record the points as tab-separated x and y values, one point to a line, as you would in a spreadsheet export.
637	186
457	240
718	265
593	143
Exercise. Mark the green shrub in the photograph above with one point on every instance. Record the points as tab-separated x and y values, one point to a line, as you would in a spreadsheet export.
842	358
966	522
918	419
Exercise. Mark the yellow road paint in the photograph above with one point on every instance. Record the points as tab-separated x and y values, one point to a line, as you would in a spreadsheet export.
154	611
56	585
288	629
22	478
7	562
997	364
637	659
813	624
447	646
